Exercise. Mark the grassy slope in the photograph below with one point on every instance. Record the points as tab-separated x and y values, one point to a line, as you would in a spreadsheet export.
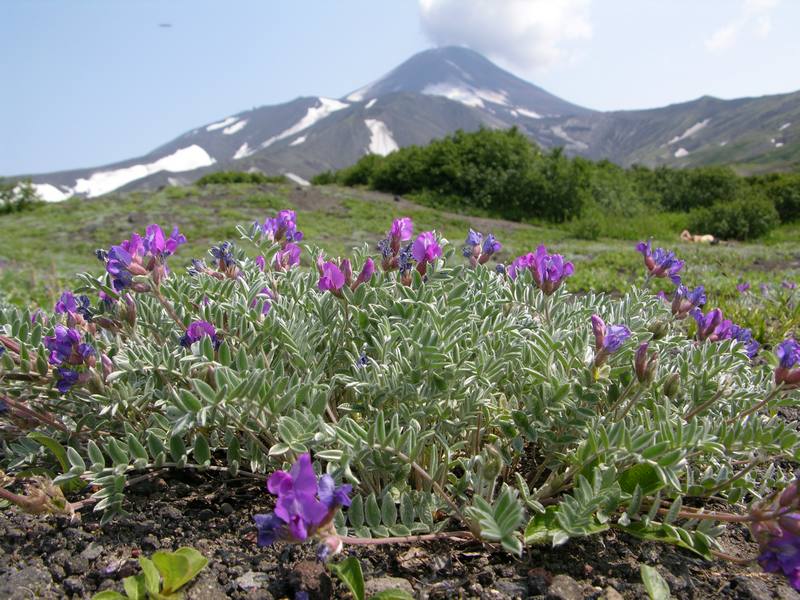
43	248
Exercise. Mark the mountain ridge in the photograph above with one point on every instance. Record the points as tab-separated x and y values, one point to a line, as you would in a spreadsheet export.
437	92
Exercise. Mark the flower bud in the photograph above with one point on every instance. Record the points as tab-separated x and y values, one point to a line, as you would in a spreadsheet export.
672	385
658	328
644	365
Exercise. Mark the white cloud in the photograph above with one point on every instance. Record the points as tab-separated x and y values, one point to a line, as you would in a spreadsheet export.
753	17
527	34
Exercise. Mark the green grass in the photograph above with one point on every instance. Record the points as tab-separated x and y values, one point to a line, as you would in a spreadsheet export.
44	247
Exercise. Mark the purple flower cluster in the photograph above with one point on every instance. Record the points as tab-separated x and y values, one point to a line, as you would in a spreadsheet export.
713	327
287	257
266	296
685	301
479	249
425	250
333	277
660	262
607	339
777	531
141	256
549	270
305	504
77	309
788	369
402	230
282	228
70	355
196	331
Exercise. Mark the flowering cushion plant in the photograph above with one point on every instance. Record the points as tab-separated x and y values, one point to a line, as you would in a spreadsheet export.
428	393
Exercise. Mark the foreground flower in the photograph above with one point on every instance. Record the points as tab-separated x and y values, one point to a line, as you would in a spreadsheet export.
196	331
788	369
287	257
305	505
776	528
425	250
332	279
401	231
685	301
70	355
644	364
479	250
549	270
660	262
743	287
77	309
227	265
282	228
607	339
141	256
711	326
745	336
265	295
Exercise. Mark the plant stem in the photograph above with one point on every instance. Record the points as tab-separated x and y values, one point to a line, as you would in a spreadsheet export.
755	407
168	307
698	409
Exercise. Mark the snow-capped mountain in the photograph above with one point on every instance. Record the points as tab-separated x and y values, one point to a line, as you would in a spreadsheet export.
432	94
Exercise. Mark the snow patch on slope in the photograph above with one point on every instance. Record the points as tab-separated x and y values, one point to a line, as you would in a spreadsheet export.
528	113
466	94
313	115
381	140
298	141
371	103
186	159
221	124
689	132
681	152
238	126
559	131
297	179
784	126
243	152
50	193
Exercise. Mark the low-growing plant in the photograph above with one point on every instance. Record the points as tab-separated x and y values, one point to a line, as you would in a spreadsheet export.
162	577
430	396
227	177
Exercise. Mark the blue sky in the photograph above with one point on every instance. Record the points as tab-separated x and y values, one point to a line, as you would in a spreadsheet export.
89	82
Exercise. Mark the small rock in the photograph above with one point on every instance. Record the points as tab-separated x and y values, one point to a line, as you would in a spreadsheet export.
170	512
380	584
76	565
150	543
612	594
311	577
260	594
14	535
512	589
414	559
226	509
252	580
74	586
750	587
58	572
93	551
564	587
60	558
206	514
206	587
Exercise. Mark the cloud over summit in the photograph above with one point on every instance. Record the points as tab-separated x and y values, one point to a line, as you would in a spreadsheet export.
527	34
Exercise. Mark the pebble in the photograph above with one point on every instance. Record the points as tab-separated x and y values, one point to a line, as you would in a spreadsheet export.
74	585
612	594
226	509
564	587
93	551
206	514
76	565
381	584
150	543
170	512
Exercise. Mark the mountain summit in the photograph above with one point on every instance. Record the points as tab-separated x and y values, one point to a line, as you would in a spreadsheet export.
435	93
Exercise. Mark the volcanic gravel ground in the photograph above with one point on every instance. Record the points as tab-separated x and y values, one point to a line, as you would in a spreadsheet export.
45	557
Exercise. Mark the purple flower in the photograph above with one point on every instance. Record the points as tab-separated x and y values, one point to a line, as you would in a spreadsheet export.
332	278
789	285
780	551
425	250
261	262
401	231
684	301
298	505
787	373
660	262
270	528
160	247
764	288
224	254
282	228
744	336
491	245
607	338
367	271
331	495
66	347
266	295
743	287
73	307
287	257
479	250
198	330
66	379
549	270
710	325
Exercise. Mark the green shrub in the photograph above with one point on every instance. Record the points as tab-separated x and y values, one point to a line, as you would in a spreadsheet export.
748	216
226	177
17	196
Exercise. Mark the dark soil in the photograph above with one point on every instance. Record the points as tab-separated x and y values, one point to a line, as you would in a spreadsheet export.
45	557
